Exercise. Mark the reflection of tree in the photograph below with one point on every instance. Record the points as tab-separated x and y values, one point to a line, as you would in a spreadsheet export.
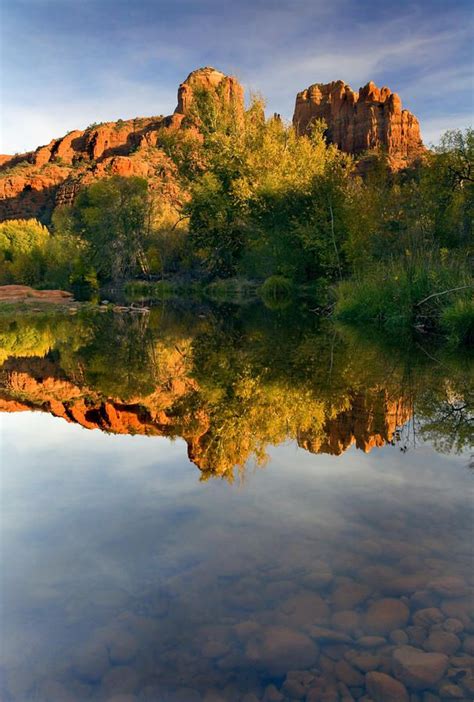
231	384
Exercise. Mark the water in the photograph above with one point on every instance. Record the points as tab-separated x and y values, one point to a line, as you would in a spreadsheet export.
224	504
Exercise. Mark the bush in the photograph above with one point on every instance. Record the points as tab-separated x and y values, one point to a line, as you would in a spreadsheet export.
406	294
457	322
276	289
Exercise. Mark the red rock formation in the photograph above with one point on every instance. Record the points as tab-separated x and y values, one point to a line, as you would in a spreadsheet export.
32	184
361	121
227	88
371	421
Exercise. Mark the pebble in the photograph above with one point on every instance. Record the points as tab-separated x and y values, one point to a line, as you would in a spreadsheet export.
328	635
383	616
416	634
427	617
281	648
442	642
468	645
347	674
371	641
362	660
455	626
349	595
306	608
451	691
384	688
448	586
418	669
399	637
272	694
346	620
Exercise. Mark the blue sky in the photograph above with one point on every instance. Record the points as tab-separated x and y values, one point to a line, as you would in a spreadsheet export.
67	63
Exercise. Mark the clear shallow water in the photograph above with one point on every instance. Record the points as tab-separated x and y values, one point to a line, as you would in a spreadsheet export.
125	574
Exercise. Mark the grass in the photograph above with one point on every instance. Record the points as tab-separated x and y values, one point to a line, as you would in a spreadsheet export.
408	294
457	322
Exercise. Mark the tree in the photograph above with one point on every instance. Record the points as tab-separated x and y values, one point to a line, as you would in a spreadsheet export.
112	216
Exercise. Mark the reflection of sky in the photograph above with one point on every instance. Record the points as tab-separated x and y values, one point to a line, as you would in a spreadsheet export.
83	511
90	61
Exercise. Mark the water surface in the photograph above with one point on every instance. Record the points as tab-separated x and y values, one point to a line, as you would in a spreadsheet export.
224	504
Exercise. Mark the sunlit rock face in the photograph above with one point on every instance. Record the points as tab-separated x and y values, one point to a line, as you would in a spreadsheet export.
371	118
215	83
32	184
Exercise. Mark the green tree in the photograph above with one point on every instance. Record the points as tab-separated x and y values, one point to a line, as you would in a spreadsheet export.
112	216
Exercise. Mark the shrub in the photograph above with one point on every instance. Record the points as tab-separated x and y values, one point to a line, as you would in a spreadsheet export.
457	322
408	293
276	288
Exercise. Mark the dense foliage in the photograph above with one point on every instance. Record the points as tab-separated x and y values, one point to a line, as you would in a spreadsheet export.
260	202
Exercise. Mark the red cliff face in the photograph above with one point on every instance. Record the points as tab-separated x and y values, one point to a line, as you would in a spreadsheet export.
372	118
32	184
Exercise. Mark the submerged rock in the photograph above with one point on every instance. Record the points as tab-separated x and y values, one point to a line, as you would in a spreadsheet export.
384	688
418	669
383	616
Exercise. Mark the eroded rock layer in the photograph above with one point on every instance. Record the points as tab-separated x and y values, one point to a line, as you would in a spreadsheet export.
32	184
357	122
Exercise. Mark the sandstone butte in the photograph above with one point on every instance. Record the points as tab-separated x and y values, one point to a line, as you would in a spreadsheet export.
363	121
32	184
34	383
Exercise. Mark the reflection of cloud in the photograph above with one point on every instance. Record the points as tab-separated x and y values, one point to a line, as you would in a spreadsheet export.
95	61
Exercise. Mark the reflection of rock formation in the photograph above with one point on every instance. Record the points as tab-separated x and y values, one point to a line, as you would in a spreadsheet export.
38	384
371	420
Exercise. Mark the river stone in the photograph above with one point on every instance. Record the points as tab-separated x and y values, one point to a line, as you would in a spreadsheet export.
461	608
244	630
347	674
455	626
280	648
346	620
418	669
383	616
384	688
363	660
122	698
319	576
371	641
416	635
423	599
306	608
349	595
468	645
427	617
442	642
448	586
403	585
272	694
329	635
399	637
451	691
297	683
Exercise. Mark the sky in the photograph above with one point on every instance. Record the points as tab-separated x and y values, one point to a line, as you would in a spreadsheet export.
68	63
